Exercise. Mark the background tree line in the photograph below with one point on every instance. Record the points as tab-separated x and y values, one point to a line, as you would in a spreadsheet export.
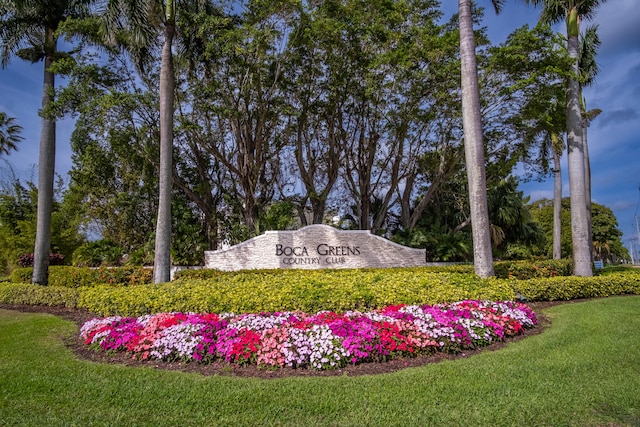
289	113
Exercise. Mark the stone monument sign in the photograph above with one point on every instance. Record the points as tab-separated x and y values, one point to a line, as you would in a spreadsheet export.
315	247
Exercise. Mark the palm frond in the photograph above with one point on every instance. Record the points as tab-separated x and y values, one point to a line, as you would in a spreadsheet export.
9	133
589	45
497	5
133	26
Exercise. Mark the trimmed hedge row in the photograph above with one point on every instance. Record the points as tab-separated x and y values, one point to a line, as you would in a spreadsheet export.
269	291
312	291
524	270
568	288
76	277
28	294
520	270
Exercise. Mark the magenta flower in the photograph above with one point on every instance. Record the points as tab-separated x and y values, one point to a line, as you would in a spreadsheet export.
325	340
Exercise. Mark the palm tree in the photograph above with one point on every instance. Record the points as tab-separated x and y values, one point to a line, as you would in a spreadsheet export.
9	133
473	142
556	147
589	45
572	11
28	30
552	125
138	18
543	124
162	260
131	24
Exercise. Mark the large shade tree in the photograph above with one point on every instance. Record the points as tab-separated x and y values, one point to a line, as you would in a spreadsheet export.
572	12
28	29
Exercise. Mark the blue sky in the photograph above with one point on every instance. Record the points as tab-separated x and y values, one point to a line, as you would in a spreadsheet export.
614	137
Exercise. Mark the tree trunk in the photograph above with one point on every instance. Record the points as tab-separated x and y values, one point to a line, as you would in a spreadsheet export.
46	171
474	146
365	155
587	185
557	201
318	206
162	257
575	156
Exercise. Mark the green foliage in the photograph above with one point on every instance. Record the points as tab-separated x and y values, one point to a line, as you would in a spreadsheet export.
523	270
18	222
77	277
510	219
607	243
442	244
443	228
113	177
280	215
188	241
542	212
607	238
271	290
98	253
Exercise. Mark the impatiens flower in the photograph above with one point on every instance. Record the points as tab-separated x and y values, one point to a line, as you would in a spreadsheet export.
325	340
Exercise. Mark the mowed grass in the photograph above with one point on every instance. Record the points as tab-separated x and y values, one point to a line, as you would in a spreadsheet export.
584	370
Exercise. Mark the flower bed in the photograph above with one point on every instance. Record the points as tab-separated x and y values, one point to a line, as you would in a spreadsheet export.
325	340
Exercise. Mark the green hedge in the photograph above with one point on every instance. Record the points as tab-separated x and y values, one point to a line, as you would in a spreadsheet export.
76	277
568	288
25	293
211	274
315	290
310	291
523	270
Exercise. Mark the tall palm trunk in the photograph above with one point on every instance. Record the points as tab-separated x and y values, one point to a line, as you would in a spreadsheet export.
557	198
575	156
474	146
162	257
587	186
46	170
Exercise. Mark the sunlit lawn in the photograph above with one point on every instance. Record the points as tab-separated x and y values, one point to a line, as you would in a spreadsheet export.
584	370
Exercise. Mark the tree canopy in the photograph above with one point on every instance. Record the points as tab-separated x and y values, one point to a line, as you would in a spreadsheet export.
290	113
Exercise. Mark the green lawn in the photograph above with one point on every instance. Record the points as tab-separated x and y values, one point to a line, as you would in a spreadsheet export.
584	370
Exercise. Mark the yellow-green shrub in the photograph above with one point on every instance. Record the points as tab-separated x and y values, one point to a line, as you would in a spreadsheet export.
24	293
75	277
568	288
22	275
202	274
310	291
315	290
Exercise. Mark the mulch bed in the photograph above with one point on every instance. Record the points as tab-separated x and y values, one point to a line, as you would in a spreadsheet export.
230	369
